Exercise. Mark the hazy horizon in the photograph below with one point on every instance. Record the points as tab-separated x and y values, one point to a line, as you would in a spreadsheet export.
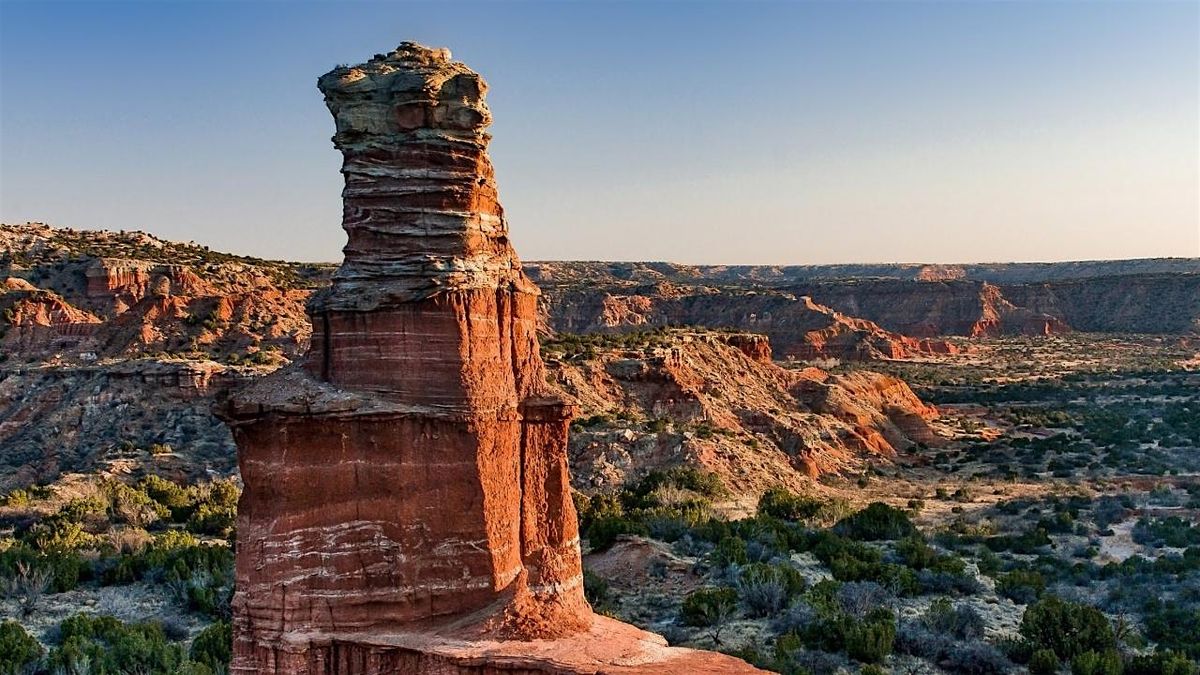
694	133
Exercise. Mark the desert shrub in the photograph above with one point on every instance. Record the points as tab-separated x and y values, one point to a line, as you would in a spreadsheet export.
762	549
860	598
172	496
130	505
17	498
786	505
762	596
703	483
1161	663
1021	586
989	563
782	504
976	658
667	505
600	505
1111	509
850	560
673	521
898	579
1174	627
916	553
1043	662
1066	628
936	573
730	551
65	569
1170	531
213	647
921	556
805	661
968	656
715	530
946	583
1026	543
67	530
1097	663
794	620
17	648
917	639
214	508
824	596
870	641
209	508
877	521
604	531
708	607
766	589
595	588
200	575
110	647
773	536
213	519
962	621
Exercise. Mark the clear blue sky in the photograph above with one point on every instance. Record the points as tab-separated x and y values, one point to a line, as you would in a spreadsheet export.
718	133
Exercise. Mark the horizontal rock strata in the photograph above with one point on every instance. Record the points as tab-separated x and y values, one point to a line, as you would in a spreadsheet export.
407	506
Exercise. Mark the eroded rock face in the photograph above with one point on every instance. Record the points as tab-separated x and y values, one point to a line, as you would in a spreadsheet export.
407	505
715	400
919	301
798	327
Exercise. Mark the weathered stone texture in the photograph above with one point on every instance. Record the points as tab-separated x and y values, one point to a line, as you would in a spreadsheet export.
407	506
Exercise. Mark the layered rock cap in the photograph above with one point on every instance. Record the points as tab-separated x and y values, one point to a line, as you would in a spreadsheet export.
421	206
407	505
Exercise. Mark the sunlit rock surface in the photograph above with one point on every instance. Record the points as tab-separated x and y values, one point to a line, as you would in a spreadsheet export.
407	505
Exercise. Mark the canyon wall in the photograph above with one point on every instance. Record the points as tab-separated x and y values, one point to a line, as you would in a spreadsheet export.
796	326
1001	273
407	505
938	301
718	401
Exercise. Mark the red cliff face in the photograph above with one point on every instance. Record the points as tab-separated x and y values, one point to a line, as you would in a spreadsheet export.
34	320
723	405
407	505
116	285
797	326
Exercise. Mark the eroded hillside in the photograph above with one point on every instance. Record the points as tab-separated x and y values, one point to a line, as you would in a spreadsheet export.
717	400
116	343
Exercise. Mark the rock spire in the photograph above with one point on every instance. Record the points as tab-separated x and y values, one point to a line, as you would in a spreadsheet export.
407	505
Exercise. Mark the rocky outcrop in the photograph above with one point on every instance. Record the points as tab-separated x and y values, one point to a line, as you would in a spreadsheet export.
117	284
79	418
940	273
702	398
757	347
217	306
407	505
35	321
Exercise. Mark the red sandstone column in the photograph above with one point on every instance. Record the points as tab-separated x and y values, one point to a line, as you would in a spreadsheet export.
413	472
